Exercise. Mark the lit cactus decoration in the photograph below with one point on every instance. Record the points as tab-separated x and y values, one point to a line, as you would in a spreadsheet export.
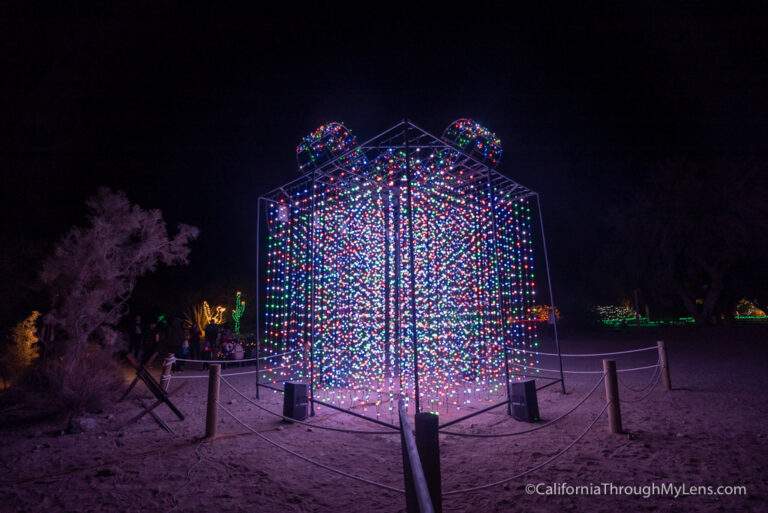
210	317
237	313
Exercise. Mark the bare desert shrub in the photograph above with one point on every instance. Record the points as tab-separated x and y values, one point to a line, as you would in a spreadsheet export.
91	276
88	385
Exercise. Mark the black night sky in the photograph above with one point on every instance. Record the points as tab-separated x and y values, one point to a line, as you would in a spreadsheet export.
199	113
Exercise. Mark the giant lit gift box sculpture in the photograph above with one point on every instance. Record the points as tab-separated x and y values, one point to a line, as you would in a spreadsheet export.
402	266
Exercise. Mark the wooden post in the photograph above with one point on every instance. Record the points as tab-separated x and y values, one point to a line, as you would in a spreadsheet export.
411	501
417	494
428	444
612	396
165	377
664	363
212	416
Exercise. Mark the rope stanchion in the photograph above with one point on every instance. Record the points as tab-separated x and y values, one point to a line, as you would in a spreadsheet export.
664	363
309	460
612	396
542	426
165	376
212	414
395	431
534	468
418	495
576	355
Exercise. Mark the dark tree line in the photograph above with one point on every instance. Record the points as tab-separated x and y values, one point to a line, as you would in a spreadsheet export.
694	236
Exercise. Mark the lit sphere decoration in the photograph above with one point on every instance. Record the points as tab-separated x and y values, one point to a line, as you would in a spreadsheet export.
324	144
475	140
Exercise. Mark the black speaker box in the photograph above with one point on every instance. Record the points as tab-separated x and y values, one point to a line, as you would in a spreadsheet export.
295	401
525	405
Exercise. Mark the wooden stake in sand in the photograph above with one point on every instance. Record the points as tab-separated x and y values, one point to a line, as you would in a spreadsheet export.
212	416
664	363
165	377
157	390
428	445
417	492
136	364
612	396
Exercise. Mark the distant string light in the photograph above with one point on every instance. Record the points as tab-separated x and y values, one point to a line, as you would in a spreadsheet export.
213	317
237	313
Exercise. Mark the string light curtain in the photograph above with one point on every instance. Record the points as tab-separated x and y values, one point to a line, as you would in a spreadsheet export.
400	267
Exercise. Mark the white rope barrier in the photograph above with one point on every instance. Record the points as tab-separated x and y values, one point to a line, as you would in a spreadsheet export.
236	361
536	428
589	372
205	376
309	460
639	368
652	385
395	431
575	355
644	388
536	467
200	458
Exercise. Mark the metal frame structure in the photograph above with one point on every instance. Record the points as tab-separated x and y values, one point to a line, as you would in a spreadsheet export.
408	140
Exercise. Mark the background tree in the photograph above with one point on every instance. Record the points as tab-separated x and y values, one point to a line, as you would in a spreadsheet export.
91	276
692	233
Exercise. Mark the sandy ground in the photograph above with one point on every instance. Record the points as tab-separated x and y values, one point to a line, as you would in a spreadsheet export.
710	430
